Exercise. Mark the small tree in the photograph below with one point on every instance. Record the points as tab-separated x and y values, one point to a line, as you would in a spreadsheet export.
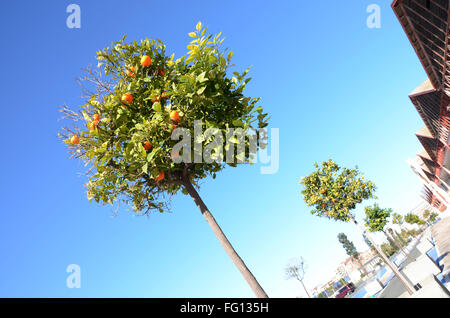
351	251
412	218
426	214
433	217
297	270
398	220
376	220
138	101
388	249
334	191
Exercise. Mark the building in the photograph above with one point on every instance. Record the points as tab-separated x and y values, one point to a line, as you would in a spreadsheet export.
426	24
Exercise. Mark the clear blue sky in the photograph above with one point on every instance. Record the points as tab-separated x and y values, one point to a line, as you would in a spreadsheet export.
333	87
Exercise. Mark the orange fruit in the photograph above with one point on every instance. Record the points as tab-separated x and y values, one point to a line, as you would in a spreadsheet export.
160	176
146	61
156	99
147	145
96	117
127	98
94	124
130	72
174	116
161	72
74	140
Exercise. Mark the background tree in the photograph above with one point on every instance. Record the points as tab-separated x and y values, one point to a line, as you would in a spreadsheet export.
388	249
397	219
334	191
433	217
297	269
376	220
135	102
426	215
412	218
397	236
351	251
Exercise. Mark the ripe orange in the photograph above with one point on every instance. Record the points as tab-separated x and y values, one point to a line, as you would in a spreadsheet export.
93	125
74	140
147	145
146	61
160	176
127	98
174	127
96	117
156	99
174	116
161	72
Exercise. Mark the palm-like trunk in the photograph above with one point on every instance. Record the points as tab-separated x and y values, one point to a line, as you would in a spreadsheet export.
409	288
251	280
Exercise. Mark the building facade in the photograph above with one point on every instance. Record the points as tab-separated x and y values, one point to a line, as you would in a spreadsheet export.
426	24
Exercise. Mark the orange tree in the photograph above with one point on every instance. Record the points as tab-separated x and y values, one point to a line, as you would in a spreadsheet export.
334	191
376	220
136	98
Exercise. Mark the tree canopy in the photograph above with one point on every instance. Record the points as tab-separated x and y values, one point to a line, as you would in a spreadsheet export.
376	218
412	218
333	191
397	218
137	99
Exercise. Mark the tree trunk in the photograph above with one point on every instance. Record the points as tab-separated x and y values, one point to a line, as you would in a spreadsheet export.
251	280
409	288
399	246
304	287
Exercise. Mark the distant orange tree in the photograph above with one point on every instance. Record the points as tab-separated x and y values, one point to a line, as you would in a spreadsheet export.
334	192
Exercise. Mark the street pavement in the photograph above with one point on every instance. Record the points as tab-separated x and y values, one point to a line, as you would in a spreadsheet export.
395	288
441	234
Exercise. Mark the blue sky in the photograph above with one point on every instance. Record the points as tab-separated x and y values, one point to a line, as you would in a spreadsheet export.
333	87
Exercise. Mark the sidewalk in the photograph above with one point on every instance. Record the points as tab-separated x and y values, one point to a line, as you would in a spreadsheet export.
441	235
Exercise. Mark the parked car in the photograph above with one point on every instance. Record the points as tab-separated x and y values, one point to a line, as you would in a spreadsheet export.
344	291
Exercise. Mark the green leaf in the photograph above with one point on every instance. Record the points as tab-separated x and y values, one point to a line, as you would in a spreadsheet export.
198	27
229	56
201	77
238	123
201	90
157	107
